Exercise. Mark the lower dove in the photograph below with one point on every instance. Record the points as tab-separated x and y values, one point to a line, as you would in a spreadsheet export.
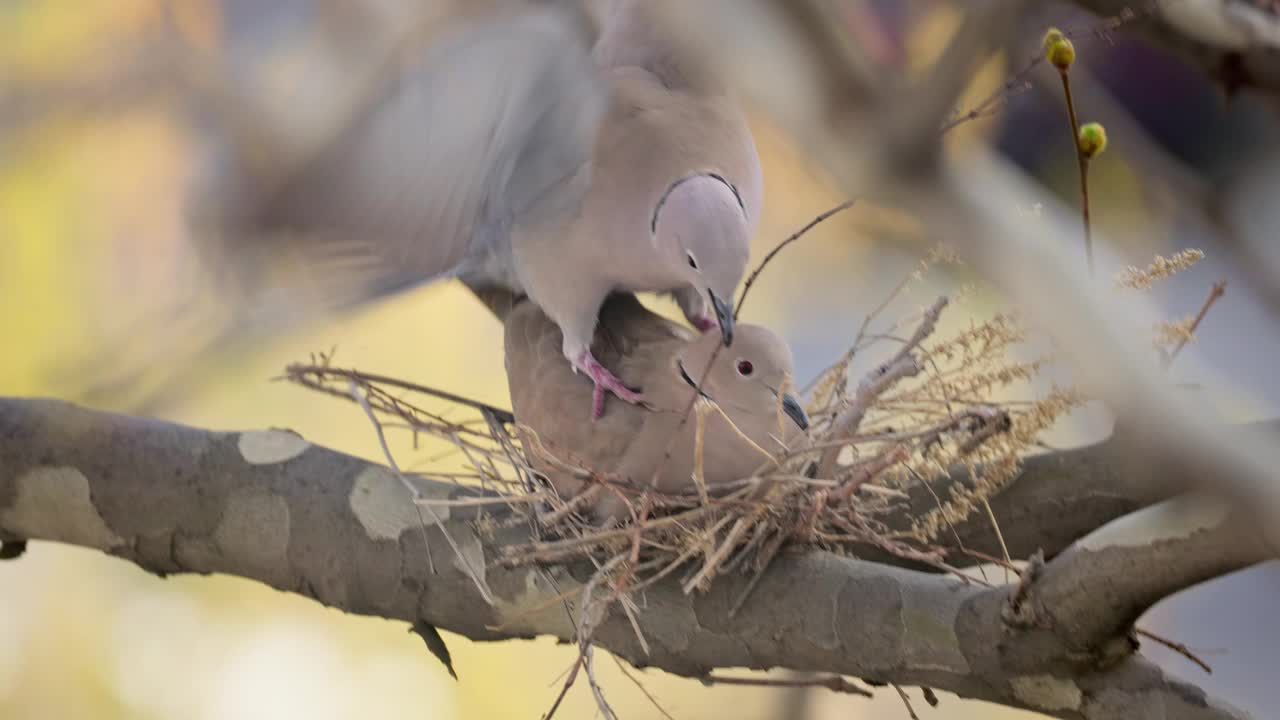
629	445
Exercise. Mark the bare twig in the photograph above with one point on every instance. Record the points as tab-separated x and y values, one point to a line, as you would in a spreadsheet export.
297	371
790	239
911	712
564	689
1175	646
1215	293
995	526
900	366
643	690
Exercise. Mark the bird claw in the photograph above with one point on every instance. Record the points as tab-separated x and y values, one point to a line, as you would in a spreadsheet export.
605	382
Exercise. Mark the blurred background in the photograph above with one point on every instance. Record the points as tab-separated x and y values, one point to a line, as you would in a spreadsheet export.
95	164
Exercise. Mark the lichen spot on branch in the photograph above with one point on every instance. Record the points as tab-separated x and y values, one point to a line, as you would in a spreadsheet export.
255	529
1047	692
53	503
526	605
1170	520
267	447
383	505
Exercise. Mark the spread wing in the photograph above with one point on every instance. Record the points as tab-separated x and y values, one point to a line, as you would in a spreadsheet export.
368	164
456	136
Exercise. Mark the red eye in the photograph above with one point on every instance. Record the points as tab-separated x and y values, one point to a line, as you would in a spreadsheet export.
745	368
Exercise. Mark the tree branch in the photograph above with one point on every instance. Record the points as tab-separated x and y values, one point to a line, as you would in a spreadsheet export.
1237	42
1096	590
1058	497
269	506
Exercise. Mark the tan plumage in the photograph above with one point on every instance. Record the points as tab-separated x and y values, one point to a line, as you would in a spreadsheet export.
629	442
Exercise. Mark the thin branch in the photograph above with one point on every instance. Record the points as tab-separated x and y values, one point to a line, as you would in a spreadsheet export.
1018	80
751	279
1082	162
417	495
622	667
906	701
995	526
1215	293
297	371
903	364
1175	646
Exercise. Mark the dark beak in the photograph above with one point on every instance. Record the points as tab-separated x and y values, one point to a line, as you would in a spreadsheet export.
792	408
724	316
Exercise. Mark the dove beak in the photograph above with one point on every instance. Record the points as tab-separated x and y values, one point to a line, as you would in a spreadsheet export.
792	408
724	317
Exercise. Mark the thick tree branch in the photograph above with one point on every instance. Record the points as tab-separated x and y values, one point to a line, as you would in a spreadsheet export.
1059	497
1101	585
301	518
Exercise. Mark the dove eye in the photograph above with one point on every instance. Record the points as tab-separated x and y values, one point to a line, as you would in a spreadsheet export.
745	368
692	262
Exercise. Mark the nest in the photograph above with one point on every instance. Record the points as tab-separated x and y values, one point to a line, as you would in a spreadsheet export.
927	407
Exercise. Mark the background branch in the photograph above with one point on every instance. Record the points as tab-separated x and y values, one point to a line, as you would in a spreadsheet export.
1233	41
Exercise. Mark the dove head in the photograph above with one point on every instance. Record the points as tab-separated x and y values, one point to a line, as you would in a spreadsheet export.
702	234
747	380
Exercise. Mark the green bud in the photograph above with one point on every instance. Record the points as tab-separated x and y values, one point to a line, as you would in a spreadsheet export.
1093	139
1058	50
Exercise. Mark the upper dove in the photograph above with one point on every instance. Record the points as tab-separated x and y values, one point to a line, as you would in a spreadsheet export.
560	150
649	447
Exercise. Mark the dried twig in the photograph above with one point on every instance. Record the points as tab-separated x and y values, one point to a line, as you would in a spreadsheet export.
643	690
906	701
751	279
413	492
1215	293
901	365
1175	646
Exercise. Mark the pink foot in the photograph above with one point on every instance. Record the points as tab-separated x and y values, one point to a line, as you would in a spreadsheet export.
604	381
705	323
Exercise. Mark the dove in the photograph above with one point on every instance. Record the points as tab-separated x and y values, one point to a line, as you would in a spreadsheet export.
560	154
629	444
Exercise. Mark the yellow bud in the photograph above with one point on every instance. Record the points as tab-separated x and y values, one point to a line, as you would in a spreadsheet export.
1058	50
1093	139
